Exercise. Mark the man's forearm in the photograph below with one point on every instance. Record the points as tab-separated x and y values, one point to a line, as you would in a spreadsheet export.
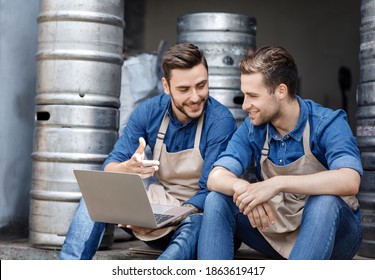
341	182
221	180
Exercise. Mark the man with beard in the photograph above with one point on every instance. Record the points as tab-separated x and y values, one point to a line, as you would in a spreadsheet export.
186	130
307	164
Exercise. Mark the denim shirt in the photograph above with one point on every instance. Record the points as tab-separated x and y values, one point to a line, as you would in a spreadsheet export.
331	142
145	121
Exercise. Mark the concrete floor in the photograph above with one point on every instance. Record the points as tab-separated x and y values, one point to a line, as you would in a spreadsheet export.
120	250
23	250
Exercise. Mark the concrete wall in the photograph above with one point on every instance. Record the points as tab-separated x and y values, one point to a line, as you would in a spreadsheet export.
322	35
18	46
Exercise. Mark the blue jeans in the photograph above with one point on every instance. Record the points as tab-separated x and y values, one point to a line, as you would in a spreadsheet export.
84	237
184	241
329	230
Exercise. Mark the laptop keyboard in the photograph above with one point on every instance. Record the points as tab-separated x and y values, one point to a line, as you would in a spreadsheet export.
161	217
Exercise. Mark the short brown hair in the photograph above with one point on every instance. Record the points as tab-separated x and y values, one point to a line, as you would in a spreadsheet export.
182	56
276	65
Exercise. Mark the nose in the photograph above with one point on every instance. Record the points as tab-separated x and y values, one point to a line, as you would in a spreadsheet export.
194	97
246	103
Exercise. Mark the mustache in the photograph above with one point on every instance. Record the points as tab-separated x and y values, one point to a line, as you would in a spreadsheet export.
195	103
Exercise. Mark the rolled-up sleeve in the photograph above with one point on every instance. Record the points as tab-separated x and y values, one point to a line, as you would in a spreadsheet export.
338	144
238	154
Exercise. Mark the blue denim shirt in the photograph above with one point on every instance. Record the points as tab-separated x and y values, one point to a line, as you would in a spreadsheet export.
331	142
145	121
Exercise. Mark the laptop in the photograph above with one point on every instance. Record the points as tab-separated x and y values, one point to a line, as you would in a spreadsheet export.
121	198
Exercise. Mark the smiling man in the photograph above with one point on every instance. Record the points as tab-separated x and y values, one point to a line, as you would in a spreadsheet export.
308	167
186	130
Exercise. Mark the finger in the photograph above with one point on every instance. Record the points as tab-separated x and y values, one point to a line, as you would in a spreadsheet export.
250	202
150	163
138	158
142	145
263	217
237	192
235	196
239	200
269	213
136	163
147	172
248	208
256	218
141	230
251	219
246	202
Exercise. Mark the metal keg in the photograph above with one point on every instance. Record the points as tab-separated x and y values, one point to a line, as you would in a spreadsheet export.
79	64
367	38
366	126
367	200
367	10
80	52
66	138
225	40
367	52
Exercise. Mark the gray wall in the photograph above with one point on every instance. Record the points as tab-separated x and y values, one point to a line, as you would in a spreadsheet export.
322	35
18	46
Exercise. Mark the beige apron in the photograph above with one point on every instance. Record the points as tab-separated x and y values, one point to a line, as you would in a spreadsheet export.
178	175
288	207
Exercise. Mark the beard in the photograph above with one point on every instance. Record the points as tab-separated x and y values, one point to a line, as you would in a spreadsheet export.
267	117
193	113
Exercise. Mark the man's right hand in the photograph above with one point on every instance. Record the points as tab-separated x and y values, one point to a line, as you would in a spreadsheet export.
260	215
139	230
137	163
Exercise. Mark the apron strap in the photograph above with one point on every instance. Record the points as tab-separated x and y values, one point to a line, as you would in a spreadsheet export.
305	139
160	137
265	150
163	129
198	132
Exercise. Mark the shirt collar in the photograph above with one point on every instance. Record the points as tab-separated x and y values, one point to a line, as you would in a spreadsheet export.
297	132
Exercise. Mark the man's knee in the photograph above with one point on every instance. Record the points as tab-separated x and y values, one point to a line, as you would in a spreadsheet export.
195	220
323	201
319	206
214	198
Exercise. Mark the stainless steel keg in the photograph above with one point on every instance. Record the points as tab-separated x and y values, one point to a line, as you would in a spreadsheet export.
225	39
366	126
79	64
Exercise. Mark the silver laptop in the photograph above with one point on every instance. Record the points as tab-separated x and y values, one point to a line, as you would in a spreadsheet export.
120	198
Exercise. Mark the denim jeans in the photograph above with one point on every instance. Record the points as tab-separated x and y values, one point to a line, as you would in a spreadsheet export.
329	230
84	237
184	242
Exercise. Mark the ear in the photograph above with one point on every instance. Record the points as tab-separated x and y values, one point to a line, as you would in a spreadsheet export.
282	91
165	85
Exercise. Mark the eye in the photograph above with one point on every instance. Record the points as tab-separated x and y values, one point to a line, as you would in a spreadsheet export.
251	95
201	85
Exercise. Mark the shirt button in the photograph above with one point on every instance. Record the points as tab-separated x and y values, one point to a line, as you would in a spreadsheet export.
280	160
283	144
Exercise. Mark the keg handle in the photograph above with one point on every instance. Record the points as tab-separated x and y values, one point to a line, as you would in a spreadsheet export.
238	100
42	116
228	60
